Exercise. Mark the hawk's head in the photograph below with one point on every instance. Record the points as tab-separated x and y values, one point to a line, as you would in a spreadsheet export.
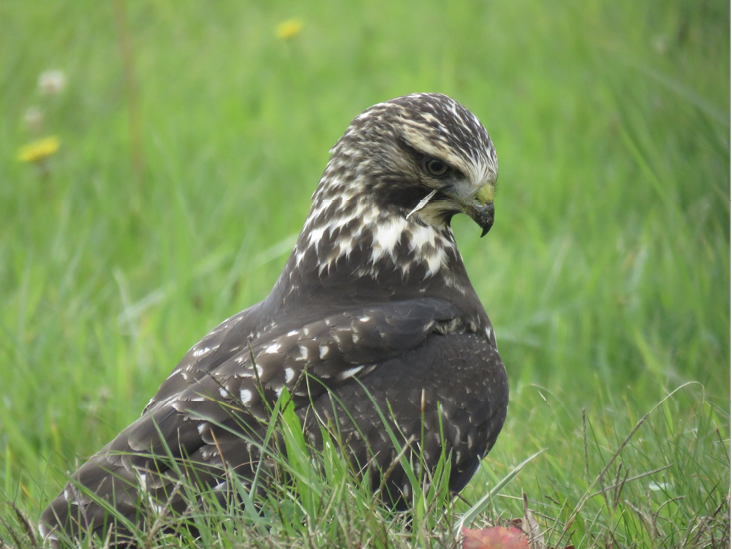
383	207
421	154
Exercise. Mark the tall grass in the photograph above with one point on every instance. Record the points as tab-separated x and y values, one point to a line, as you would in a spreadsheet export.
607	274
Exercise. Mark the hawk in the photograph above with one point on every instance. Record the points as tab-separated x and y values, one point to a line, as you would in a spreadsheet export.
373	323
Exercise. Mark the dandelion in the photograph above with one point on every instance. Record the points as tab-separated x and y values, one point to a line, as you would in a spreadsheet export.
288	29
39	150
52	82
33	118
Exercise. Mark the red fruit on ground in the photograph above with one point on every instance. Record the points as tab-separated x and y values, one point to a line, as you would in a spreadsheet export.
496	537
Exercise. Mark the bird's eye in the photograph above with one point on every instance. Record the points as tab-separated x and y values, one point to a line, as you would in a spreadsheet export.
436	167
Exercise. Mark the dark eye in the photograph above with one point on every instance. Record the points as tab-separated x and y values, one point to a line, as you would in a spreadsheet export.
436	167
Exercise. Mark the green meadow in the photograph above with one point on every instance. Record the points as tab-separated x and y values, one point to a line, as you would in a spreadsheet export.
190	139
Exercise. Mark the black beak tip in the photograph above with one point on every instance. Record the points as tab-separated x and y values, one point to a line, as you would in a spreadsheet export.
487	216
483	216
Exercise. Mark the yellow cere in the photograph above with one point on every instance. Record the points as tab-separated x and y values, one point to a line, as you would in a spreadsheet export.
288	29
485	193
38	150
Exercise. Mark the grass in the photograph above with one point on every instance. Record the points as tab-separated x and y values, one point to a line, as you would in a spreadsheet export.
191	140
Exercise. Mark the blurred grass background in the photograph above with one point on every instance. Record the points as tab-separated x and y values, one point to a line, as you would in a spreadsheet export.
192	138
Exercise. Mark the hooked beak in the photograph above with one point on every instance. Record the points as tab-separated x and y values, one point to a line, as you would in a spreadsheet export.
481	209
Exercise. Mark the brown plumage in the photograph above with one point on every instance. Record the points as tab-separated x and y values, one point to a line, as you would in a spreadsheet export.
373	306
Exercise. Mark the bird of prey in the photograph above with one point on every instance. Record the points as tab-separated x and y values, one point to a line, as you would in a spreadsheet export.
373	323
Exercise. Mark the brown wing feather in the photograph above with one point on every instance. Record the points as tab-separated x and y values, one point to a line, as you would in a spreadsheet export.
214	402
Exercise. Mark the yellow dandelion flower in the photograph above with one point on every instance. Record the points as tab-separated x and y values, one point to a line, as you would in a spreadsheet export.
38	150
288	29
